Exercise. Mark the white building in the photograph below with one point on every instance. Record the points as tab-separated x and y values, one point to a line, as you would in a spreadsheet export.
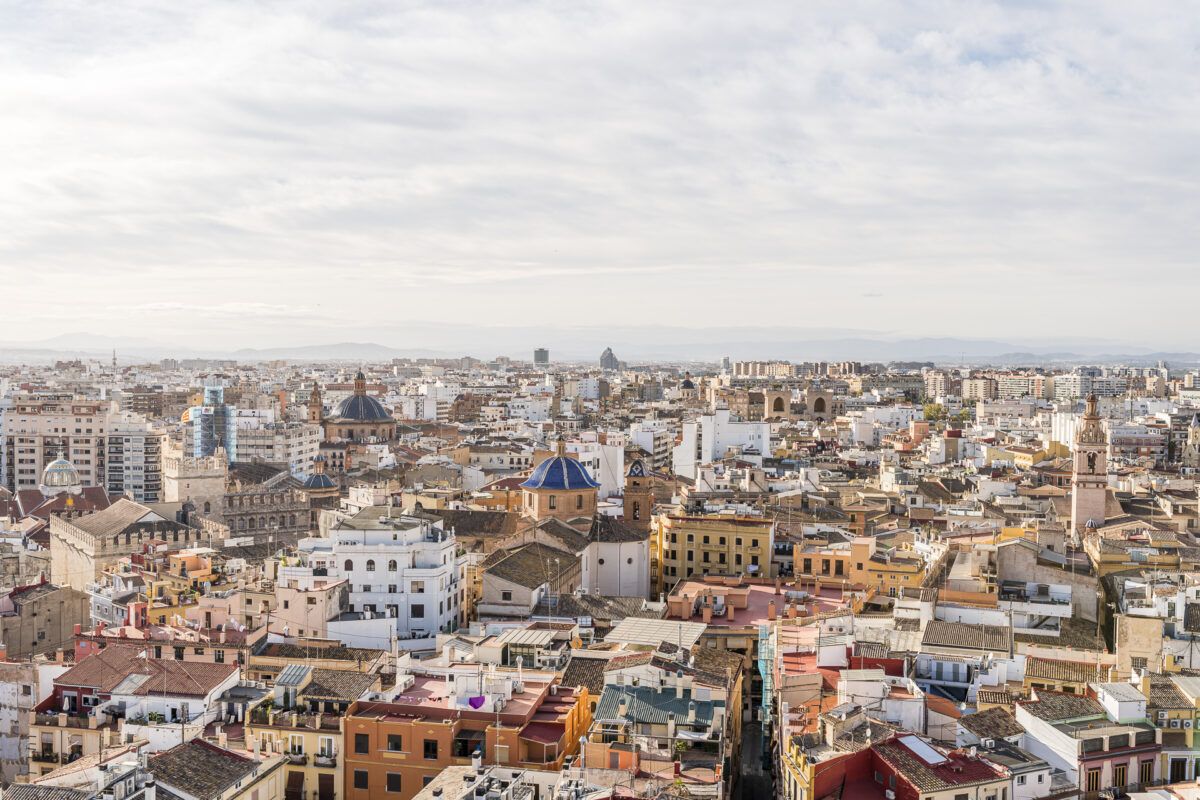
293	443
709	437
134	453
398	566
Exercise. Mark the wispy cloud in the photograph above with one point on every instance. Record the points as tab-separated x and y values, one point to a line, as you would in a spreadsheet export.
613	162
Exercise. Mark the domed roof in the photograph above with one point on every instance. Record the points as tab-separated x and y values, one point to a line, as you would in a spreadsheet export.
637	469
361	407
318	481
561	473
60	475
687	384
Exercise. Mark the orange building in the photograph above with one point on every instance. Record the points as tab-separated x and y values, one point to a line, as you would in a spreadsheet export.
511	718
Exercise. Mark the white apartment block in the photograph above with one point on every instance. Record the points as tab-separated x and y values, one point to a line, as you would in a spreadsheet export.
134	454
710	436
293	443
40	427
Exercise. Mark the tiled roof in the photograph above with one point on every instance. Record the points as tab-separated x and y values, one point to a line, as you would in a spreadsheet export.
531	565
938	633
584	671
950	773
994	723
33	791
338	684
606	529
200	769
1069	671
997	696
1056	706
1165	694
114	519
478	523
649	705
331	653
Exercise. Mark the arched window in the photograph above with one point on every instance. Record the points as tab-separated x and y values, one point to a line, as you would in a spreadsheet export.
272	522
241	524
579	501
637	510
778	405
819	405
370	565
292	521
252	525
349	565
116	540
262	522
207	507
392	565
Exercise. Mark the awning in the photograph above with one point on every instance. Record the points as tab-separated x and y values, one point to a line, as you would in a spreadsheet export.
544	732
295	786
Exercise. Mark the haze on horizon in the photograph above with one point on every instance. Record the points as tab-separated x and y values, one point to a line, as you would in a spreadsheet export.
258	174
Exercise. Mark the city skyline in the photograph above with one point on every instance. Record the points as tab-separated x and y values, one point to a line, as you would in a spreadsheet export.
259	176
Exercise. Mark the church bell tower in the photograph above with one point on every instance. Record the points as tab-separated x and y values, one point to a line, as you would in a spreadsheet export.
1089	473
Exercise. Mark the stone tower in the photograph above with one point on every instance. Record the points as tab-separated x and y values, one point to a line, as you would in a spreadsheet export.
638	496
315	408
1191	450
1089	474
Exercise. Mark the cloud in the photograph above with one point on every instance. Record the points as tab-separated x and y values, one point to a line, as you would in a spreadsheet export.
599	163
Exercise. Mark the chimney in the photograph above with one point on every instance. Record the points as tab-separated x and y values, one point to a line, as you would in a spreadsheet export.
222	740
778	585
691	718
78	629
621	706
706	613
149	790
771	610
679	685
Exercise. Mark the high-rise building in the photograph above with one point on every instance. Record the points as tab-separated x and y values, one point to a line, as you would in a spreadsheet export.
212	426
608	360
41	428
135	458
541	357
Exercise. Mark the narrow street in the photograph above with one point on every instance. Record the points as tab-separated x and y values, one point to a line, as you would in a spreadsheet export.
755	783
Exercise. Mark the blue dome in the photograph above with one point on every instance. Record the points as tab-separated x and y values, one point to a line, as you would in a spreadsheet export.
318	481
560	472
637	469
361	407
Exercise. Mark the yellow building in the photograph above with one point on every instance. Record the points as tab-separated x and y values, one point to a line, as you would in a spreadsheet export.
1058	675
683	545
861	562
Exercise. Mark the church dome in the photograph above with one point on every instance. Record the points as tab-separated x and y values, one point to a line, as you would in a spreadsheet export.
318	480
60	475
560	473
361	407
637	469
687	384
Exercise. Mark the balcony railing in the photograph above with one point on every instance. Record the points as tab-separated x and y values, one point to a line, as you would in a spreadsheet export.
297	758
45	757
322	760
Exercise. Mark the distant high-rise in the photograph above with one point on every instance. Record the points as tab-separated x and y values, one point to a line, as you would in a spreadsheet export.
608	360
541	357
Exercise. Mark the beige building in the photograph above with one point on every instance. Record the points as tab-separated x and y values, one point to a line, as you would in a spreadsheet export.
84	546
40	428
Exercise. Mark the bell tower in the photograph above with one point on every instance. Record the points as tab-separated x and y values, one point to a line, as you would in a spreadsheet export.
638	496
1089	473
315	407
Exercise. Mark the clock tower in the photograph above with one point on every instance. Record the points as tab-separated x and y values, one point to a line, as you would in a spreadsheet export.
1089	474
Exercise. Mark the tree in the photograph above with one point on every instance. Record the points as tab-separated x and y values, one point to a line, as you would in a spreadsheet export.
934	412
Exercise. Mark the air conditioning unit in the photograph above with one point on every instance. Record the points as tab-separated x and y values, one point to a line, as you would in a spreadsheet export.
1174	723
988	744
1187	723
1162	715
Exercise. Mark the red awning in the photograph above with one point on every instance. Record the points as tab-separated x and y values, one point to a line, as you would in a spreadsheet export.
544	732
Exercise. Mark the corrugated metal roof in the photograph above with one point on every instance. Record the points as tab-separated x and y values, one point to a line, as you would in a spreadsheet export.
293	675
649	705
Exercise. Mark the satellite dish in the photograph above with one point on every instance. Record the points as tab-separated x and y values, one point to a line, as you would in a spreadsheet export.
576	643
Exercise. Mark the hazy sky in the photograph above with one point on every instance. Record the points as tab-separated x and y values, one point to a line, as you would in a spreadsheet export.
265	173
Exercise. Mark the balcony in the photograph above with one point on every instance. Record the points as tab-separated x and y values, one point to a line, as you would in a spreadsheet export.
44	757
297	758
325	760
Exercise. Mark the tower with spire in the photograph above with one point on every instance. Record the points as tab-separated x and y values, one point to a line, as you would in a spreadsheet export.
315	408
1089	472
1191	450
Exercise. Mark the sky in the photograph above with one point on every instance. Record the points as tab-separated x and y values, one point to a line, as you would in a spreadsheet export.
262	174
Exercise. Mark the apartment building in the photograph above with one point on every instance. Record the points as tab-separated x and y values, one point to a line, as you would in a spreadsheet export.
683	545
293	443
441	718
41	428
134	454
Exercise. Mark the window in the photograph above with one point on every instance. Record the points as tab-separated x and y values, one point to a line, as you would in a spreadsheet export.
506	596
393	782
553	503
349	565
431	749
418	610
1021	779
1093	780
738	541
179	654
1147	774
579	501
370	565
296	745
960	796
417	587
360	779
1120	775
219	656
362	743
395	742
392	565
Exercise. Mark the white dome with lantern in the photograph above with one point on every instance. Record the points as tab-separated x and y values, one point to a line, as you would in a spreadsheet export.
60	476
